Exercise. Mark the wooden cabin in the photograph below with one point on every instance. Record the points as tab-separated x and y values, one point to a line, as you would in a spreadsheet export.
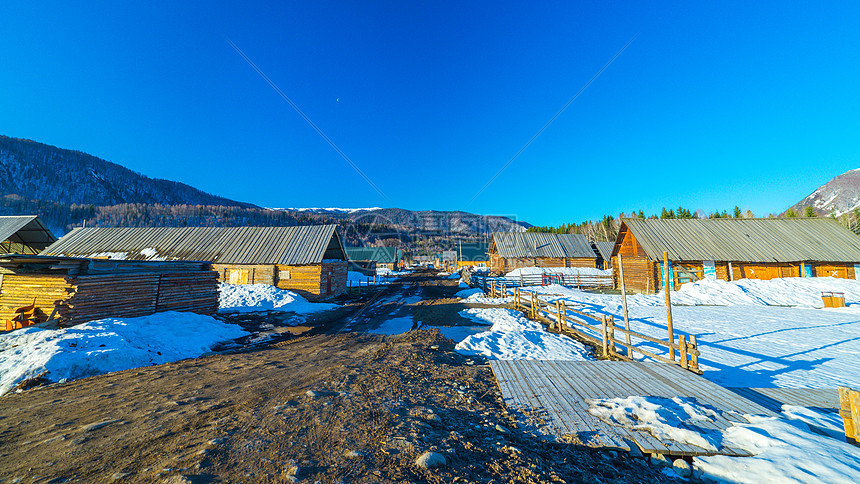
383	257
731	249
24	234
511	250
76	290
307	259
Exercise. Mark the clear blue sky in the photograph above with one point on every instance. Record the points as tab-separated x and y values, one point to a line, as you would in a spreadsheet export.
714	104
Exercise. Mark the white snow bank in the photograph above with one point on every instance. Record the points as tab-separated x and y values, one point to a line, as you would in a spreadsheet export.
785	451
245	298
573	271
384	271
513	337
107	345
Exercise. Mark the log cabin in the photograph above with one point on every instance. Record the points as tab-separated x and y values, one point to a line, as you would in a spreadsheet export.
309	260
24	234
473	254
69	291
512	250
731	249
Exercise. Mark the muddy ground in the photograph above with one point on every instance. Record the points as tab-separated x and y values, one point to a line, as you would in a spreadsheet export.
312	403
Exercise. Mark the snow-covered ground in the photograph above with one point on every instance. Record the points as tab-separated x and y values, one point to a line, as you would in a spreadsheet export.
107	345
743	341
243	298
513	337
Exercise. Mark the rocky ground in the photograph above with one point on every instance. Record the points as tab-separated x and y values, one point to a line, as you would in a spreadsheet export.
311	403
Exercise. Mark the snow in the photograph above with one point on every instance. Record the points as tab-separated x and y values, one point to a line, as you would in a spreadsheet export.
394	326
748	343
513	337
384	271
107	345
785	449
243	298
480	298
661	417
330	209
469	292
354	278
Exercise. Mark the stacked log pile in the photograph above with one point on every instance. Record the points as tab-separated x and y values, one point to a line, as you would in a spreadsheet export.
77	299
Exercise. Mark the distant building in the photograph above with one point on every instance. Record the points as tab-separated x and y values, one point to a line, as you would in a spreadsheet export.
307	259
475	255
24	234
731	249
383	257
511	250
604	253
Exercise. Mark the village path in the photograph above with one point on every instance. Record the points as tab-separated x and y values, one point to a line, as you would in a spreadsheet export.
328	407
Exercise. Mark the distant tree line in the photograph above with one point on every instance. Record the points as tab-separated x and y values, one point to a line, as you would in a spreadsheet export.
606	229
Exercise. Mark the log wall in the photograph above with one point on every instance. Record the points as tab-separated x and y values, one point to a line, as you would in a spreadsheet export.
253	273
312	280
501	264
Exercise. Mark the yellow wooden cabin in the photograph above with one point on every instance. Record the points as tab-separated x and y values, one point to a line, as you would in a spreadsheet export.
731	249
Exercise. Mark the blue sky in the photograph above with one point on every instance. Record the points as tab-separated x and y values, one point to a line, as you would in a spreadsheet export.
714	103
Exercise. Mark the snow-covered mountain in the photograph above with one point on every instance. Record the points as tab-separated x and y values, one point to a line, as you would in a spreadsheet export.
839	195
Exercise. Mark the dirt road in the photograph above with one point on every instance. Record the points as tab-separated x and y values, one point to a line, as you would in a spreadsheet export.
330	406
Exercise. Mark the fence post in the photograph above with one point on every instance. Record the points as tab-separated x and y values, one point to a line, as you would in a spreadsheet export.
534	306
694	358
563	319
624	305
682	351
610	330
605	345
666	289
849	403
558	313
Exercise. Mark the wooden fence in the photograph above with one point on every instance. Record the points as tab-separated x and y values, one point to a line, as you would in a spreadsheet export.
575	321
483	280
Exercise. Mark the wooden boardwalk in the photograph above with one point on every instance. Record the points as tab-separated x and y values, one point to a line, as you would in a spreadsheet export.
559	389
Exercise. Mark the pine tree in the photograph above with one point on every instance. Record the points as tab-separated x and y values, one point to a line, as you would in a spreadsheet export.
736	213
664	214
808	211
790	213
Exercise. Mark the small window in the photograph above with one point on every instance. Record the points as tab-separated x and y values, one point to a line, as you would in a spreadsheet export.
283	275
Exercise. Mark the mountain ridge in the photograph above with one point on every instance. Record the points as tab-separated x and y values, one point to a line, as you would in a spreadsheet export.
838	196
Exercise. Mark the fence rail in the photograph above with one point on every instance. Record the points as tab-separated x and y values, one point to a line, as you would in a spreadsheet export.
576	321
483	280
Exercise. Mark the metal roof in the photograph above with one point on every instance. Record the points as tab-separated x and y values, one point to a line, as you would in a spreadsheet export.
26	229
385	255
605	249
473	252
745	240
535	244
223	245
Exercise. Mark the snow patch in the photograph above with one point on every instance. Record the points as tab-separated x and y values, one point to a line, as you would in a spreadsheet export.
107	345
243	298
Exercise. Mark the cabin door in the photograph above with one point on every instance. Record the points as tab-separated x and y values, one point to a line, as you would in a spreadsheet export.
328	285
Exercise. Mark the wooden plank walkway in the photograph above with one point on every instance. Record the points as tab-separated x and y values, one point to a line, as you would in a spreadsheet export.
774	398
559	390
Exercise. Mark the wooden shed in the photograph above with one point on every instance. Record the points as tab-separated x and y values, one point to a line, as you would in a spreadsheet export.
730	249
24	234
307	259
604	253
75	290
511	250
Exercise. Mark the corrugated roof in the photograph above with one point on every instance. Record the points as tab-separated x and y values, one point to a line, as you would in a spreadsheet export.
534	244
473	252
746	240
26	229
384	255
605	249
224	245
